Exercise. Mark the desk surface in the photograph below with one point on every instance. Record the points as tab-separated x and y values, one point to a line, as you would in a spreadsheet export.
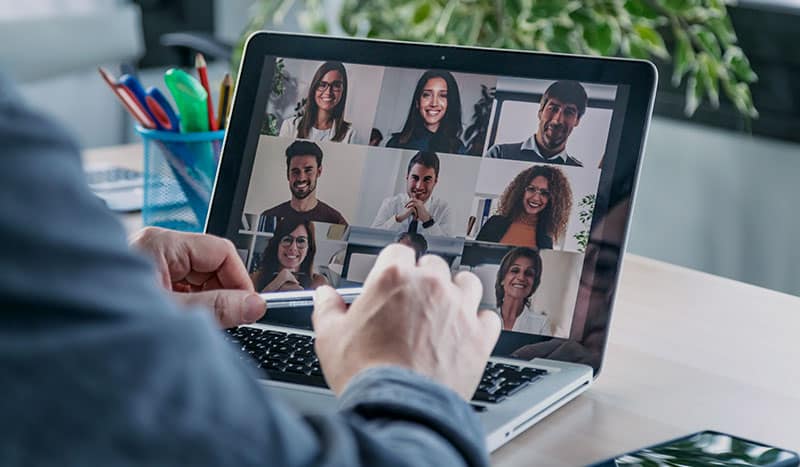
687	351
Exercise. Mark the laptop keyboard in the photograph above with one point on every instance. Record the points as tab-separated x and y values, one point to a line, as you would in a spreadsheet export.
291	358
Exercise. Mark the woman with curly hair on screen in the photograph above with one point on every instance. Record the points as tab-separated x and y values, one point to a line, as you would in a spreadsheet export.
323	114
533	211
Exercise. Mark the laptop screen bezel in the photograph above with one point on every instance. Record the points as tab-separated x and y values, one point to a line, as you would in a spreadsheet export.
239	146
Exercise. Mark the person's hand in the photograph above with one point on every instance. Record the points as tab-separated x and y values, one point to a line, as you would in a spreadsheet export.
412	315
399	218
419	209
202	270
284	280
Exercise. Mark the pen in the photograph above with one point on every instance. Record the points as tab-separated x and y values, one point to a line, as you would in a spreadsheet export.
128	100
225	90
202	72
137	90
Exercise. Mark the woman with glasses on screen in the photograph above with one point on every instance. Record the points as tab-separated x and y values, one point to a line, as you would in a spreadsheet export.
518	278
287	262
533	211
323	114
434	116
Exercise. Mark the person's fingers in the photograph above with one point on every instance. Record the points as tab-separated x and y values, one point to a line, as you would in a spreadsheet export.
150	242
328	305
230	307
435	265
470	288
394	255
200	278
210	254
490	326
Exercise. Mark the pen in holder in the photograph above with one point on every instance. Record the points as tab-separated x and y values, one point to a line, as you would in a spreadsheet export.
179	171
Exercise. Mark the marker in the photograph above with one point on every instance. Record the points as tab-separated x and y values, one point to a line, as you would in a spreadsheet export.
190	98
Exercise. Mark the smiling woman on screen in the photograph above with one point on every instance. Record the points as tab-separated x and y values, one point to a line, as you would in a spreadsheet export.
323	115
434	116
533	211
518	278
287	262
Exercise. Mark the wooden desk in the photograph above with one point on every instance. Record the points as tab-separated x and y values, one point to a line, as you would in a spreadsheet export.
687	351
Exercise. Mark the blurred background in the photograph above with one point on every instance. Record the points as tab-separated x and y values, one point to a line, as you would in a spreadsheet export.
717	187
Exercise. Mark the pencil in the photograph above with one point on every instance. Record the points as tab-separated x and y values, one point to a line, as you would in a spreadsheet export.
202	72
224	101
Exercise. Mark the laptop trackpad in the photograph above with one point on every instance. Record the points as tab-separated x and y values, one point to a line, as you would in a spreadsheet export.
306	400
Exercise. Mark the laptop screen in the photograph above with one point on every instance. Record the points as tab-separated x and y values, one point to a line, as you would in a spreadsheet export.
498	175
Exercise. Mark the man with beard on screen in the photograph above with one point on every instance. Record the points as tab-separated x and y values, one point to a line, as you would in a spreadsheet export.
303	169
560	111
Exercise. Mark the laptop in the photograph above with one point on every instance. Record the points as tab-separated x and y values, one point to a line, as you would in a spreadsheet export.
519	167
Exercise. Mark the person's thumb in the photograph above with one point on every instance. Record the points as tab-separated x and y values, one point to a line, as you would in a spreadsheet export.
490	325
230	307
328	304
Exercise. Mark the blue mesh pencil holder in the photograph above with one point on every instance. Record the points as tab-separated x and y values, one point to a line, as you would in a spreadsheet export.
179	171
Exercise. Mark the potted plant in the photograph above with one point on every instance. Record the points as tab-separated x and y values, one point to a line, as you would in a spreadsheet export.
696	36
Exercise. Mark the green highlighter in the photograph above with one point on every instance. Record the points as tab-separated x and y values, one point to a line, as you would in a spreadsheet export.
190	98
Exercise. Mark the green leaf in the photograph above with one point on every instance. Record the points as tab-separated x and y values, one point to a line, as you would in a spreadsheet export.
684	57
723	29
679	6
600	38
548	8
740	65
694	94
708	41
652	40
561	40
707	72
641	9
422	12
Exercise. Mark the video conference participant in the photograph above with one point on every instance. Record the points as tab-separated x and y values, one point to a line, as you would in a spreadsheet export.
533	211
323	113
560	111
414	240
303	169
417	210
434	116
287	262
518	278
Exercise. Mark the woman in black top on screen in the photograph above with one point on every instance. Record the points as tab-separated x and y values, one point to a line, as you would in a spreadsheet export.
434	117
534	210
287	263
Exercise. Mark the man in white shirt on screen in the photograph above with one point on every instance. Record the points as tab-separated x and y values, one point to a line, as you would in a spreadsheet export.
417	210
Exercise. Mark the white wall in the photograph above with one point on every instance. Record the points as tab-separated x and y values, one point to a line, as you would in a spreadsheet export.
397	92
363	84
721	202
